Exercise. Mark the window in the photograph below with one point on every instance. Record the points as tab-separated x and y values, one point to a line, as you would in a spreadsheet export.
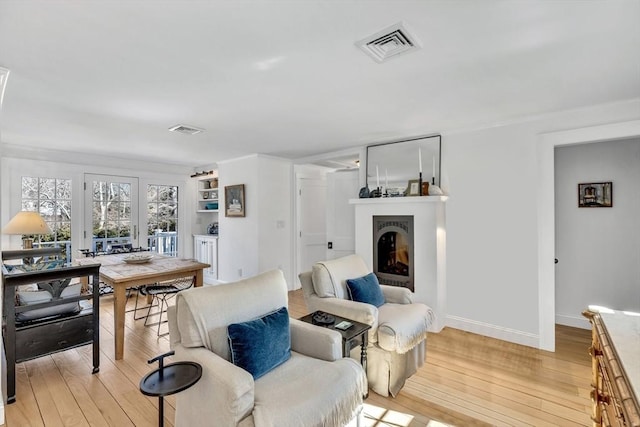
51	198
111	204
162	219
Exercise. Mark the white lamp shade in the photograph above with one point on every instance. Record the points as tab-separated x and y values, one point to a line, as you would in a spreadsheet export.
26	223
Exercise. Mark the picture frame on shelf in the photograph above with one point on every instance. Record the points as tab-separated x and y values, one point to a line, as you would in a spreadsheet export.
413	188
595	194
234	201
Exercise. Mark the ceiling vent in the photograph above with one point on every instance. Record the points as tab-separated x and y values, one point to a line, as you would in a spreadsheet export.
187	130
389	42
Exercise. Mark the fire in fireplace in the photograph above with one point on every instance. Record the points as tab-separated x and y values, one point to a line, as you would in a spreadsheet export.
393	260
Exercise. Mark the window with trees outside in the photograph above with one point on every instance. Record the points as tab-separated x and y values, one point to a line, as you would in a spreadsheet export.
51	198
162	218
111	204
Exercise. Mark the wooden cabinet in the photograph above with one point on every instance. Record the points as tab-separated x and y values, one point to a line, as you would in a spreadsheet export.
615	380
205	249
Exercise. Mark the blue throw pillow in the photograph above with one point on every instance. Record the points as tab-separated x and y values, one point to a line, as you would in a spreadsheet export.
260	345
366	289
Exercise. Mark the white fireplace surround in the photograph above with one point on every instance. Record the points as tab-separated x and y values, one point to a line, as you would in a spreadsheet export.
429	243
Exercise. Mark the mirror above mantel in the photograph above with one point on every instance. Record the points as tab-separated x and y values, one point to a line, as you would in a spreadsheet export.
392	165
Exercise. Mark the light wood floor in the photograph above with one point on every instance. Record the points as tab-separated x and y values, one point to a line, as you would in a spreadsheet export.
468	380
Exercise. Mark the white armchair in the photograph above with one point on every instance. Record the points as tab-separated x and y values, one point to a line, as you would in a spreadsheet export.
398	334
314	387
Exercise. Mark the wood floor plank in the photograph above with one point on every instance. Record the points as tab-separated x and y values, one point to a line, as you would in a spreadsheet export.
66	404
42	393
99	406
138	408
25	410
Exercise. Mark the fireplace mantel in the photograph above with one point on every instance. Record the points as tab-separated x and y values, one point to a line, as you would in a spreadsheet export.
398	200
429	243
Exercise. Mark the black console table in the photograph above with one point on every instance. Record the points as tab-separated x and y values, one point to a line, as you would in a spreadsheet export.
35	338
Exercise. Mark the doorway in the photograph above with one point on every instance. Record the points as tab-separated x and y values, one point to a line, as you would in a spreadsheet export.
598	248
312	229
322	211
111	212
546	213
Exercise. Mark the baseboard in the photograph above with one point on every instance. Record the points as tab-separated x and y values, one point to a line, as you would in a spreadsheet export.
575	321
493	331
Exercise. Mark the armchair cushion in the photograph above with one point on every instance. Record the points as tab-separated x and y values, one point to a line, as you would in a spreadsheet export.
312	341
307	392
329	277
260	345
402	326
366	289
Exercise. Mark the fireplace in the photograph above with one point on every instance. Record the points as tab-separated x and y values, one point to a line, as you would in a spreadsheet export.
425	241
393	254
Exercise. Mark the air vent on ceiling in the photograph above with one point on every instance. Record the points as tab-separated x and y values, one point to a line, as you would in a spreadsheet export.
187	130
389	42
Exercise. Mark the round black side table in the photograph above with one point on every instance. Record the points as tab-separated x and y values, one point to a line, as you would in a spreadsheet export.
169	379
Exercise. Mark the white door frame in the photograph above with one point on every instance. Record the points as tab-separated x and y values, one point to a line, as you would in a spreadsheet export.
546	212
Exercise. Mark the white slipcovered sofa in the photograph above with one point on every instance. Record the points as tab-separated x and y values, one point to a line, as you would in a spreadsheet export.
398	334
316	386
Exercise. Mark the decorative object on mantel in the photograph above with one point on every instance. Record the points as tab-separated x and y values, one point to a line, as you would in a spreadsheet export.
595	195
425	189
413	188
364	193
434	190
375	193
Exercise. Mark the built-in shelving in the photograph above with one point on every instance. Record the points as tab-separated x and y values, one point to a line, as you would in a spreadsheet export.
207	193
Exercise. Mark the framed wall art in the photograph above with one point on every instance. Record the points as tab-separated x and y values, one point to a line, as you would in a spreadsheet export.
595	195
234	200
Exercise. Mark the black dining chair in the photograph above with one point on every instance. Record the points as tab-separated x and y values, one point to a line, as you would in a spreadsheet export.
162	292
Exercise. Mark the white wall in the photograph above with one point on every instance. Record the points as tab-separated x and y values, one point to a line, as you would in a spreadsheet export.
492	176
238	238
276	223
255	243
598	248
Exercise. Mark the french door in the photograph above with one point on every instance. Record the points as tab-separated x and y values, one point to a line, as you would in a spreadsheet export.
111	211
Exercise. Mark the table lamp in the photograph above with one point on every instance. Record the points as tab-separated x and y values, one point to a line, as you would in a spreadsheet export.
27	224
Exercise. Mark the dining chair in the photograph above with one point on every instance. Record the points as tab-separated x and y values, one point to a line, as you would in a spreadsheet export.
162	292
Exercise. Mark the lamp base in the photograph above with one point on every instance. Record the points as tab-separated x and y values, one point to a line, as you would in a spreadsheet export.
27	243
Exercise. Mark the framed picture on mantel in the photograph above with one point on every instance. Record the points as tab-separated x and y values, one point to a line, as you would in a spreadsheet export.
595	195
413	188
234	200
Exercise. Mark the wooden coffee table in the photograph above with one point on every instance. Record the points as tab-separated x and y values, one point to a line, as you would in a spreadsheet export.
355	331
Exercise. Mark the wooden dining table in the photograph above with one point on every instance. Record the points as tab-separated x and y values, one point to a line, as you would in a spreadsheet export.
120	275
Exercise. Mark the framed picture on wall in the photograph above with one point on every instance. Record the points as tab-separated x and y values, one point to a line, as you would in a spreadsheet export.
234	200
595	195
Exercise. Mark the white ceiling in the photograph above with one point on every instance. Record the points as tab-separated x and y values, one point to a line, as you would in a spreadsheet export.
285	77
